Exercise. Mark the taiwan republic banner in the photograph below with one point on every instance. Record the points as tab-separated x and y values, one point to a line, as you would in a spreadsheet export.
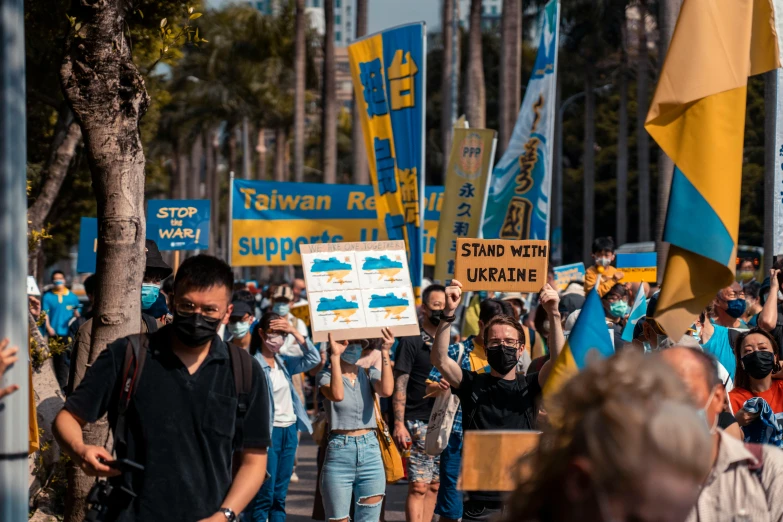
389	79
270	220
519	194
472	156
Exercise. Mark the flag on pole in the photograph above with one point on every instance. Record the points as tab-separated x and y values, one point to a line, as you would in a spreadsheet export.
697	116
638	311
589	339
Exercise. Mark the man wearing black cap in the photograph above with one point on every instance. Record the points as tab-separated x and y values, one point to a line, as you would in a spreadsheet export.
239	323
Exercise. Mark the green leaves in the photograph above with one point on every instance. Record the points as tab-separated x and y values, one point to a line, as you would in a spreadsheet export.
163	23
194	16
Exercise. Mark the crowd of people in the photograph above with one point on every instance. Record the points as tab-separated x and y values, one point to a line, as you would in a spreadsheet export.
666	429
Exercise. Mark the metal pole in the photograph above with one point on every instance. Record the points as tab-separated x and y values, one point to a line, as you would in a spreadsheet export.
773	175
13	259
454	62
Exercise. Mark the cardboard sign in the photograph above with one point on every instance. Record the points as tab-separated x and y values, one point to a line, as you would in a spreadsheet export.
491	459
178	224
357	289
302	312
642	267
567	274
500	265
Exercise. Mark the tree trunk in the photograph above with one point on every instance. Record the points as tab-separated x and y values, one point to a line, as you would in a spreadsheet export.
183	170
622	152
108	97
212	188
261	150
194	180
361	173
642	138
232	150
281	139
299	91
446	122
329	100
475	90
588	162
510	65
668	11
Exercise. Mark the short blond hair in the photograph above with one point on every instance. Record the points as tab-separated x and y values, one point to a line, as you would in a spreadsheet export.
622	413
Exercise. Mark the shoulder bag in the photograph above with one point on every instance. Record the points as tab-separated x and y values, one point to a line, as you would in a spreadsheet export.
442	417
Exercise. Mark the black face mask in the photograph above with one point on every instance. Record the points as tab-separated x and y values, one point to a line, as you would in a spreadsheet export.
435	316
502	359
195	330
759	364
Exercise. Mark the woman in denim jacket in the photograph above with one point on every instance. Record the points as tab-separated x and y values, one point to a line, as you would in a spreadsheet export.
353	465
287	413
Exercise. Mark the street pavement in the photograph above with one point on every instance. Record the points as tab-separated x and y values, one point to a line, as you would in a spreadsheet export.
299	503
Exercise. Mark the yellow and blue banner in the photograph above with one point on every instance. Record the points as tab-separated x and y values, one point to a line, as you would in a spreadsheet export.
567	274
589	339
519	201
433	204
638	267
389	79
178	224
697	117
467	185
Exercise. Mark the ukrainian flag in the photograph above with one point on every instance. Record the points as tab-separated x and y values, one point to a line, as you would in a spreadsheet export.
589	339
698	118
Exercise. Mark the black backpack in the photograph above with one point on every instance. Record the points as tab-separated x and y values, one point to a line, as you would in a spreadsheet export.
136	353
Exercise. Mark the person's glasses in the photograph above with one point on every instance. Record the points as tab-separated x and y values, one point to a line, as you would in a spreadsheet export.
187	308
500	343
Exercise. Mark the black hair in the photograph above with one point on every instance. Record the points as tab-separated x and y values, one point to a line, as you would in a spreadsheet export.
618	289
167	285
261	326
202	272
425	297
752	289
89	284
244	295
57	272
741	378
490	308
603	243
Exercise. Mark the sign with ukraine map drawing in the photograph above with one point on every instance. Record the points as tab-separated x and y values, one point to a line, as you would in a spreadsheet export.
519	193
389	79
357	289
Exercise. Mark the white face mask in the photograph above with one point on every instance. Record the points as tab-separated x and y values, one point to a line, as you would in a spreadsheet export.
702	413
603	261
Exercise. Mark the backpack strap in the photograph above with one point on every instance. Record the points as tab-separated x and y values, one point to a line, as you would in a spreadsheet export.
135	355
151	322
757	450
242	368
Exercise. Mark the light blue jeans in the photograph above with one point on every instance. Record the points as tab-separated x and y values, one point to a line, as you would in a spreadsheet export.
352	467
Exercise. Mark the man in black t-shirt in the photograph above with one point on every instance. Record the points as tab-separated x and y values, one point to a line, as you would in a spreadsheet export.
501	399
182	417
412	410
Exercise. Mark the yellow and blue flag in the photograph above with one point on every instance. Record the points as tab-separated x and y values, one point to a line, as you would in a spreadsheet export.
697	116
638	311
588	339
389	78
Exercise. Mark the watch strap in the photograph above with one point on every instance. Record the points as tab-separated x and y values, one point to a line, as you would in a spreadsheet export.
229	514
448	318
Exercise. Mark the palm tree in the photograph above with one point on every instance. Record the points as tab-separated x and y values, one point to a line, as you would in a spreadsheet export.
446	122
668	10
328	96
510	64
588	161
622	145
475	90
361	175
642	138
299	91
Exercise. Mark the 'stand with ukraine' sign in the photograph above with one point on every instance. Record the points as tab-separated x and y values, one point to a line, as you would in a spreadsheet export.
271	220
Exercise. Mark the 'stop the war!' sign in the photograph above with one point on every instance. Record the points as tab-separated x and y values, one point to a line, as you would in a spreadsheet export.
498	265
181	224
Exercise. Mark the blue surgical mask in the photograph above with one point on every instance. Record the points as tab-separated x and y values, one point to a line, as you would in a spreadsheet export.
736	308
618	309
352	353
149	294
58	283
281	309
239	329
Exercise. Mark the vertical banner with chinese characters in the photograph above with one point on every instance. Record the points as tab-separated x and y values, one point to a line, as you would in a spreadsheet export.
519	201
472	155
389	73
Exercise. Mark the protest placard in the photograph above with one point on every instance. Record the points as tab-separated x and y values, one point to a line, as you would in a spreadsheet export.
302	312
357	289
567	274
178	224
638	267
490	459
500	265
88	245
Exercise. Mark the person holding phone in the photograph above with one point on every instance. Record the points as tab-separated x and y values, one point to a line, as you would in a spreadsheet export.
353	467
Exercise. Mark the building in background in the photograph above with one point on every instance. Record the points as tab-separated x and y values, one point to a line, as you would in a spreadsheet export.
344	17
490	17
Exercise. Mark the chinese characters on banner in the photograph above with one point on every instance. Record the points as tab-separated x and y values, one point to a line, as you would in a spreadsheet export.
388	71
472	155
519	194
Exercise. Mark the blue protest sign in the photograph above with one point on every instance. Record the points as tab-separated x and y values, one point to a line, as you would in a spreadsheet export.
88	245
178	224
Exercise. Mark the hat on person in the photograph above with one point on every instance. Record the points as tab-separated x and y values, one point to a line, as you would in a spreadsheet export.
155	260
241	308
283	292
570	303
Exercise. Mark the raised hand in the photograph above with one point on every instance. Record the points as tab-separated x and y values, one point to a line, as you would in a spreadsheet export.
337	347
388	340
550	299
453	296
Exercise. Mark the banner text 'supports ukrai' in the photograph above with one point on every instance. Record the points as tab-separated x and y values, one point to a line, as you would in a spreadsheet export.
389	79
519	194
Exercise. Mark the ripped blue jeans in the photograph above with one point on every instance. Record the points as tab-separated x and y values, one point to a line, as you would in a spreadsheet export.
353	467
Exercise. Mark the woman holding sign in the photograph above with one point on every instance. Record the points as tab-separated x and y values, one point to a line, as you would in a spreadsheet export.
353	465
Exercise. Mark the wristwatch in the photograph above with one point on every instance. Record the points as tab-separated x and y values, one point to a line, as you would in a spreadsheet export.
230	515
448	318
